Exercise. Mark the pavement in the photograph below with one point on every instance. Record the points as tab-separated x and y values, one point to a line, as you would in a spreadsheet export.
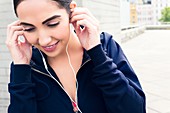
149	55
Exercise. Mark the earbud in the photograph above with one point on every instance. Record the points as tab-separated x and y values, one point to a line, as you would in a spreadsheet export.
73	4
21	38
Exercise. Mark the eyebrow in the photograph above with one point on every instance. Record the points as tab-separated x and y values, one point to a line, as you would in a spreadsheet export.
49	19
27	24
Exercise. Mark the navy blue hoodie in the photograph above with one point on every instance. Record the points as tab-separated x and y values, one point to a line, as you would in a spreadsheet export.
106	83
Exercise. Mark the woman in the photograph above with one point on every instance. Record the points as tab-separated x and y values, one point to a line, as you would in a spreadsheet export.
62	69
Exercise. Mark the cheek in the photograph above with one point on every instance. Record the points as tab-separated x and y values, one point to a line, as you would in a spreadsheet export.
61	32
31	38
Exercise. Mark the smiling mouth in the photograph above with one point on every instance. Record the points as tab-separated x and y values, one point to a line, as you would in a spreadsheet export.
50	47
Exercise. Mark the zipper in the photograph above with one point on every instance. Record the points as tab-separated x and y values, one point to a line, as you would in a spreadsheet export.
48	75
74	104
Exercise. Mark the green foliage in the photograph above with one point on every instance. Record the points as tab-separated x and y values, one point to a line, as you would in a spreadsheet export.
165	15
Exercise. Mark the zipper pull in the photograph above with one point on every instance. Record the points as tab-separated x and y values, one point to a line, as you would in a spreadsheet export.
75	108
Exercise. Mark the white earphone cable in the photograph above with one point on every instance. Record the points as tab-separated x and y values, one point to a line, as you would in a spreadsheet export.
71	66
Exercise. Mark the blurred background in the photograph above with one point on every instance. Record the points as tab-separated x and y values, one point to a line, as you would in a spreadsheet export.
141	27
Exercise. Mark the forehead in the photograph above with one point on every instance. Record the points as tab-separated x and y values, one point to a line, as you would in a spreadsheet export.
36	5
39	2
29	10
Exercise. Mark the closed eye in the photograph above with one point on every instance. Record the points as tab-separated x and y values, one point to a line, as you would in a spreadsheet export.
53	24
29	29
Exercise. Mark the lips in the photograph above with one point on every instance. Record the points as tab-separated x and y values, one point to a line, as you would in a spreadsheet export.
50	48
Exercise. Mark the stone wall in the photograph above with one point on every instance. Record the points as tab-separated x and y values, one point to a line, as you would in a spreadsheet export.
108	14
6	17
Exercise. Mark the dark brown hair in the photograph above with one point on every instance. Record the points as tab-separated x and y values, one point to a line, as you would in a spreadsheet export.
62	4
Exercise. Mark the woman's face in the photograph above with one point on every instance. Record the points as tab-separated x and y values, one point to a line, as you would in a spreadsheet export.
46	26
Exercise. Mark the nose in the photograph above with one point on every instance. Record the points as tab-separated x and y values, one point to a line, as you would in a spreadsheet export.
43	38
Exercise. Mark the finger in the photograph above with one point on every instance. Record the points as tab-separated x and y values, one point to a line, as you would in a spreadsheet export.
15	23
87	26
82	17
12	30
11	27
78	28
91	28
79	10
14	46
14	39
84	23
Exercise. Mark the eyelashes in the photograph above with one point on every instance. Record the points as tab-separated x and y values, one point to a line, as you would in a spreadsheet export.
29	29
51	25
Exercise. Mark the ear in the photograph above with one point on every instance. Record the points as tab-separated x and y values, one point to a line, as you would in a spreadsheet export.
73	5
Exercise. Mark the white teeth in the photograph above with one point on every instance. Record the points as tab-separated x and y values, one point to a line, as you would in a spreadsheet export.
49	47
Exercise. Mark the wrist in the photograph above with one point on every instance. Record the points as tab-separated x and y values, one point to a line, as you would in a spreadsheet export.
92	46
93	42
21	62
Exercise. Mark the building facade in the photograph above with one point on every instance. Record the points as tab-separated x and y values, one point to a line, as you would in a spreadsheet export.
139	2
124	13
158	5
133	14
145	14
107	12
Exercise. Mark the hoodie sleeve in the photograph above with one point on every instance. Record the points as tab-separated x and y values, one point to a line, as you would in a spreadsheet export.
22	98
116	79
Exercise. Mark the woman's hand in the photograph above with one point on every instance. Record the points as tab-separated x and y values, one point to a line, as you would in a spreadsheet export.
89	35
21	51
